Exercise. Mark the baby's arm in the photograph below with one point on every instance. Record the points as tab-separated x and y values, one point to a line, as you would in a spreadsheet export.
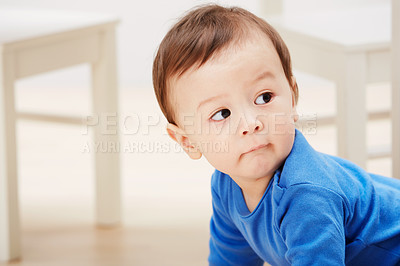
312	225
227	245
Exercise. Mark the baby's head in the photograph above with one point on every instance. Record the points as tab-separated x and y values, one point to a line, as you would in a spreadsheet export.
202	34
221	75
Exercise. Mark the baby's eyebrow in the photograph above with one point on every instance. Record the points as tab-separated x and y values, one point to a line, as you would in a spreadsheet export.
211	99
263	75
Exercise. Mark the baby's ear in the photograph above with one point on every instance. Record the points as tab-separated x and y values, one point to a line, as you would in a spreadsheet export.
294	89
179	135
295	115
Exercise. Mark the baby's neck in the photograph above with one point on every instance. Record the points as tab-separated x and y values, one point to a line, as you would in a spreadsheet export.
251	202
253	191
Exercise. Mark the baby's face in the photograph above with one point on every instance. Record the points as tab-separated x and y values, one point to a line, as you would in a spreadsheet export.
237	110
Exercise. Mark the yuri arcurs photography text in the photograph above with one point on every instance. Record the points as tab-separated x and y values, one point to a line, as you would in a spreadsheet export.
146	133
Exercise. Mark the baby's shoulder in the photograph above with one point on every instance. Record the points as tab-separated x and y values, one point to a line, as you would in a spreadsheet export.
322	173
321	170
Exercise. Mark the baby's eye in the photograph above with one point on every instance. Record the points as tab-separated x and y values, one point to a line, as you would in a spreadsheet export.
264	98
220	115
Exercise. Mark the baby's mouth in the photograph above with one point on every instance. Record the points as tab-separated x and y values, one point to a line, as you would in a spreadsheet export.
255	148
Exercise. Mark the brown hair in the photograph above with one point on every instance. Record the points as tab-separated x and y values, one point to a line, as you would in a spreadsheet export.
198	36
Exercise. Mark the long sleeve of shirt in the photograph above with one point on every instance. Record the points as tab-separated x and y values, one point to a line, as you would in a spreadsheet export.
312	226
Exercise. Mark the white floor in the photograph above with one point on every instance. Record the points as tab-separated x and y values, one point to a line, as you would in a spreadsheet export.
166	196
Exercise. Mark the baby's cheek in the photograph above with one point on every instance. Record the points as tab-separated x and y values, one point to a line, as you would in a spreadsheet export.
281	124
217	148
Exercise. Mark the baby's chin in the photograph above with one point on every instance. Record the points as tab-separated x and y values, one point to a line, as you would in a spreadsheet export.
249	168
254	175
261	166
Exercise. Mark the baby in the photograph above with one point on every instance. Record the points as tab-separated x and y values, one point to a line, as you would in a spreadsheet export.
223	76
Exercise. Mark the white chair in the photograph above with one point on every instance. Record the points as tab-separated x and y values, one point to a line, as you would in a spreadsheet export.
34	41
350	47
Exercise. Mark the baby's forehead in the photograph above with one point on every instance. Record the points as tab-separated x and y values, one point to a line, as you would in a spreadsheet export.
226	52
260	45
252	37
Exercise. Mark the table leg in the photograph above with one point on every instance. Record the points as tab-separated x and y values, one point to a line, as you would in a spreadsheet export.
9	209
351	109
105	103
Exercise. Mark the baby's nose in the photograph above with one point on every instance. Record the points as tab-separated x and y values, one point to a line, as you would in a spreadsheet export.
252	127
245	132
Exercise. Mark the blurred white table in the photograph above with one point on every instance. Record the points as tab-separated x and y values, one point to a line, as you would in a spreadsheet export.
350	47
396	88
34	41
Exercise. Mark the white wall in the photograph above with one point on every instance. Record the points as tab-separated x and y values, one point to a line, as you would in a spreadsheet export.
144	23
305	6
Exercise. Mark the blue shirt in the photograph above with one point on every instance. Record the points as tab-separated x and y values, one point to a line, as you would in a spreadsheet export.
317	210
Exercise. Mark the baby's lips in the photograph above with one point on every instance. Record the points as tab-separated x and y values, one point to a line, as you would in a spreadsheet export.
256	148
